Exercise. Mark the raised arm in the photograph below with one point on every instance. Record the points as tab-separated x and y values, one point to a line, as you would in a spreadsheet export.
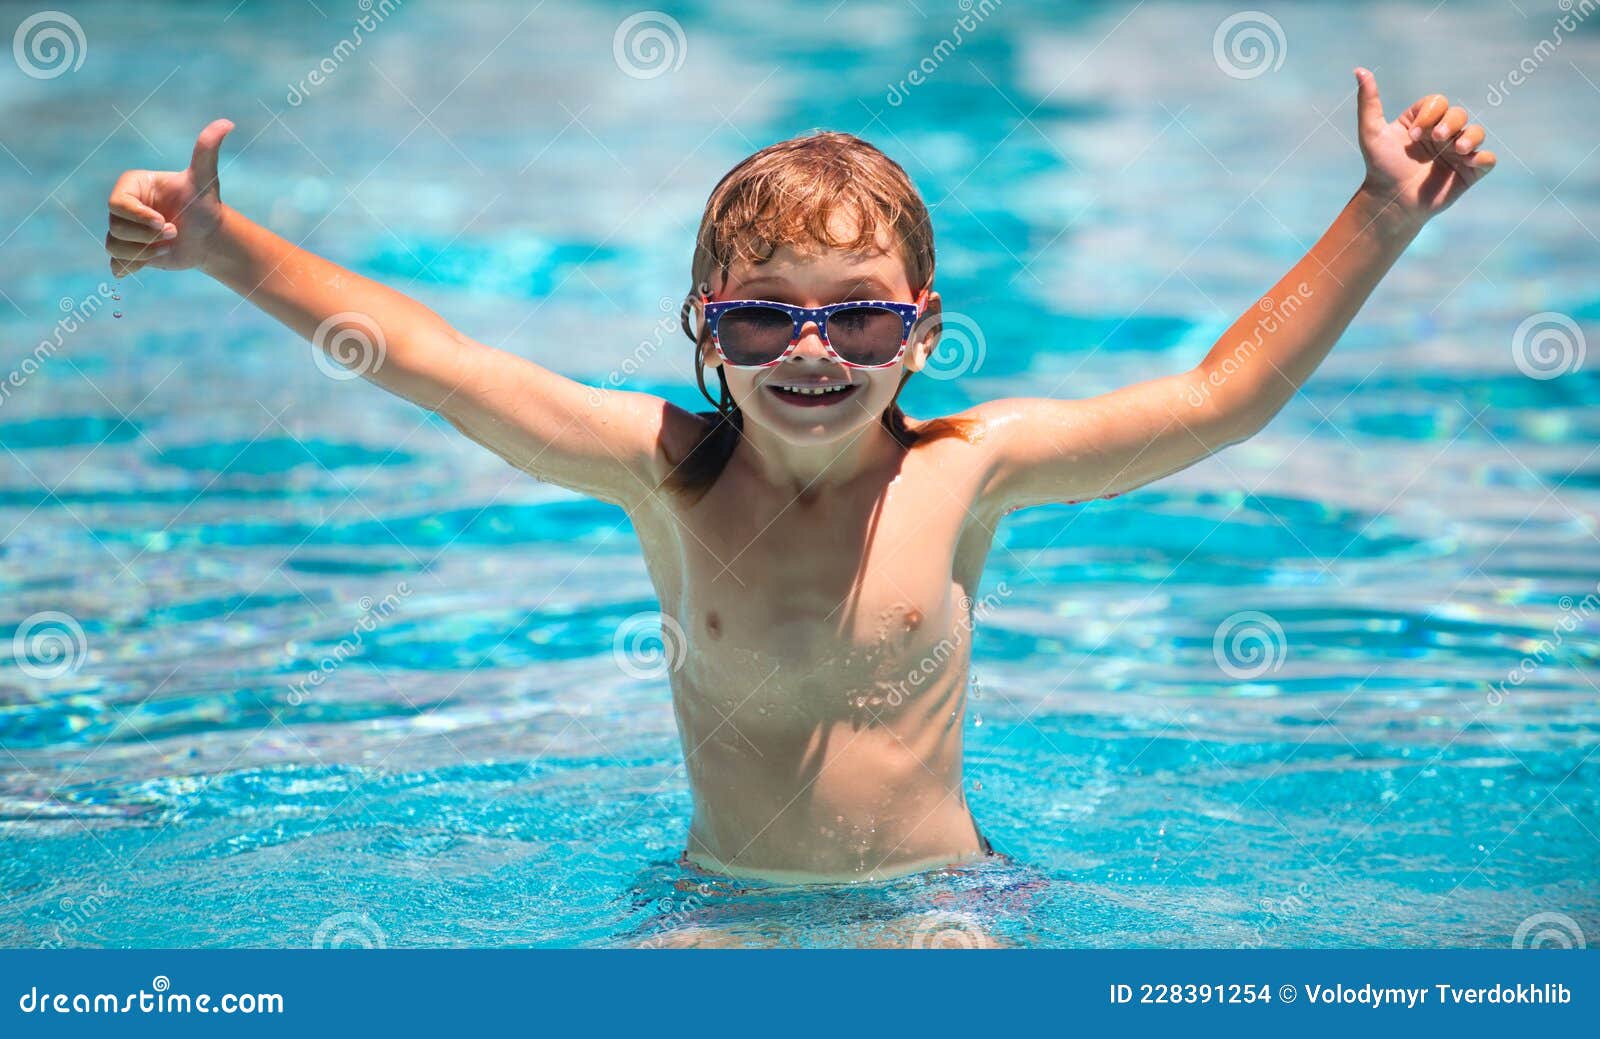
608	444
1046	450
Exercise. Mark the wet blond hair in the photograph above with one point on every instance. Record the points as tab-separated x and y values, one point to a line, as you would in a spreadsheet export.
791	193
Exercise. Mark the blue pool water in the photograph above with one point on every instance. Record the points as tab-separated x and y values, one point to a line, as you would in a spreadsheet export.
215	516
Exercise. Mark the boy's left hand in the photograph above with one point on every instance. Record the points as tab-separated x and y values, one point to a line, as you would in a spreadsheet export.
1425	159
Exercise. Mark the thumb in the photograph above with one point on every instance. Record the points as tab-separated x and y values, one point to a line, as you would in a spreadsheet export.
203	164
1369	107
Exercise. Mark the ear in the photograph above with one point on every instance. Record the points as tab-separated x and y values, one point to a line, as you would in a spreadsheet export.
924	334
694	328
696	300
708	353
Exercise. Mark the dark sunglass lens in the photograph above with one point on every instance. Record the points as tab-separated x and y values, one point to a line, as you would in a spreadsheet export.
754	335
866	335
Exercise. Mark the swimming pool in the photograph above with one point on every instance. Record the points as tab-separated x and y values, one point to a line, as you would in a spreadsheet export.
1267	702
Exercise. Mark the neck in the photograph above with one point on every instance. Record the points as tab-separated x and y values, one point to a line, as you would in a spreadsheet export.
810	468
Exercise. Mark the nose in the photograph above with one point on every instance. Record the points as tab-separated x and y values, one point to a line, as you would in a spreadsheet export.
810	345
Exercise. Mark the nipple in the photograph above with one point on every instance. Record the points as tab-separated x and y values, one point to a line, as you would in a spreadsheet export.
910	619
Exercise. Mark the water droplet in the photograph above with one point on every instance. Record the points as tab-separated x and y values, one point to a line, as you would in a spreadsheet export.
977	784
977	721
115	296
116	313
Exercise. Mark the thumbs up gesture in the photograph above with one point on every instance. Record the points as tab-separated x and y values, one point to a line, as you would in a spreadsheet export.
168	219
1423	160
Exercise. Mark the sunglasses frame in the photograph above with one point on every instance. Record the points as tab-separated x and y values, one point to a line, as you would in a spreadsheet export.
802	316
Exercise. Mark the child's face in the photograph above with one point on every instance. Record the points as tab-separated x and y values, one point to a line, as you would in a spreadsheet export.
817	277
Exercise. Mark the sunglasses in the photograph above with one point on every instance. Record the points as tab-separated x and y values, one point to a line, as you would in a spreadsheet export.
756	333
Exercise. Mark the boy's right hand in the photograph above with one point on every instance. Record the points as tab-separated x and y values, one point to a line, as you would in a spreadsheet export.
168	219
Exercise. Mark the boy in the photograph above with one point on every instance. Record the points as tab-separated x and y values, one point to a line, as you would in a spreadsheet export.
818	549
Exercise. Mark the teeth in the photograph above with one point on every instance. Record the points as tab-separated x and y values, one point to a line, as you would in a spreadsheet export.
815	391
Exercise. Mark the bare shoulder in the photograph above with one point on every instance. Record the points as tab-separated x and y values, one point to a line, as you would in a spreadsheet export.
961	448
978	434
1007	413
1046	450
681	429
1006	442
677	432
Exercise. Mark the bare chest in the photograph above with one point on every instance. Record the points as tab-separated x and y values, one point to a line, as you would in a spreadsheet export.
821	595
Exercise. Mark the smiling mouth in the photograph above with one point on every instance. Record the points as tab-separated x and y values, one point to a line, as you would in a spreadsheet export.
812	396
